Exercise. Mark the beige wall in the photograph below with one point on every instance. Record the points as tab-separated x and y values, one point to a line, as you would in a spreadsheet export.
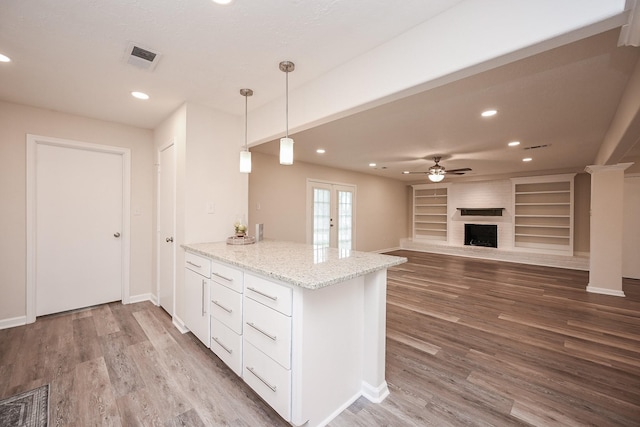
281	192
581	210
16	121
208	147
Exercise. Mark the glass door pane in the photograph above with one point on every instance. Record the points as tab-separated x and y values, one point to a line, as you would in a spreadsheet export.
321	217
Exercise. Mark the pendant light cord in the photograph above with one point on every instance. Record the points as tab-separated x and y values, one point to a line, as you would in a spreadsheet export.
245	123
287	103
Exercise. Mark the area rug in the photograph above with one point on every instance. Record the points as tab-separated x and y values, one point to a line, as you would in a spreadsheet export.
28	409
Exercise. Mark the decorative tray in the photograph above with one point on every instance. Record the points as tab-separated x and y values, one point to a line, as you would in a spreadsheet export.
243	240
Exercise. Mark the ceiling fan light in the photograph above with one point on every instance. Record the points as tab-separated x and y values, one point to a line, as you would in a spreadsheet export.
436	177
286	151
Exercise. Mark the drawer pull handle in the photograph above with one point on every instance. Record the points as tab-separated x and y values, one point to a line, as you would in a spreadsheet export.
262	293
272	387
221	276
194	264
204	283
224	347
228	310
271	337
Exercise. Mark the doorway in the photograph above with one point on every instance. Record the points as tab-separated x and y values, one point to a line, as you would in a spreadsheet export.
331	214
77	225
166	227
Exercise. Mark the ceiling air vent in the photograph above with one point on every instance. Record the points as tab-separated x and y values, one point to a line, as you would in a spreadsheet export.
141	57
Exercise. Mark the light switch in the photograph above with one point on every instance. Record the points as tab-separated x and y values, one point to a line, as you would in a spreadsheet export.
258	206
211	208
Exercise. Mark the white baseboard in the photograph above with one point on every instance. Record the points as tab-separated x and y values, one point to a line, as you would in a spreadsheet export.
381	251
179	324
13	322
338	411
605	291
142	297
375	394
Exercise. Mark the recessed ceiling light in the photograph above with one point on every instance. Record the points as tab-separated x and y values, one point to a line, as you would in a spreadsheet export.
373	165
140	95
527	159
514	143
489	113
222	1
4	58
320	151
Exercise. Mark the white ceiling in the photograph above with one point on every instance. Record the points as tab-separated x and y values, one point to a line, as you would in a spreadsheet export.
69	55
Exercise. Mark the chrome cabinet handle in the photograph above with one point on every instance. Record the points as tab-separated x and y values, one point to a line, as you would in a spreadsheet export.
194	264
221	276
224	347
204	282
272	387
116	234
263	332
228	310
262	293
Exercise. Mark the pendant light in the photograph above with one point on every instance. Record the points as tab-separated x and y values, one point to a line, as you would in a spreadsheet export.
286	143
245	155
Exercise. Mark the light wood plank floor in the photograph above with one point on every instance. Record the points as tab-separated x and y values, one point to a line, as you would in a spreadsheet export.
469	342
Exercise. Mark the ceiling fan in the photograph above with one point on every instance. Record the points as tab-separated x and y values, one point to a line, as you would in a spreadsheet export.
436	172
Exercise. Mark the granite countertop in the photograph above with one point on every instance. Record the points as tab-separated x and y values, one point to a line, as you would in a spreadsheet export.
297	264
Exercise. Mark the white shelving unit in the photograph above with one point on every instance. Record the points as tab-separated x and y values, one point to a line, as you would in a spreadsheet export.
430	212
543	213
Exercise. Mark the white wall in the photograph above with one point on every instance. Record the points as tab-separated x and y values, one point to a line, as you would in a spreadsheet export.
487	194
208	144
18	120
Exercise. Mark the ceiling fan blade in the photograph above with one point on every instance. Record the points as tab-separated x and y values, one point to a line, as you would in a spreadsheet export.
409	173
462	170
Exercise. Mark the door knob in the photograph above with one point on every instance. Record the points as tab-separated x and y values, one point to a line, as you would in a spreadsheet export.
169	239
116	234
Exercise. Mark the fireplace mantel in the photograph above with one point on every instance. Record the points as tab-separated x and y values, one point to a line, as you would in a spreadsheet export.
481	211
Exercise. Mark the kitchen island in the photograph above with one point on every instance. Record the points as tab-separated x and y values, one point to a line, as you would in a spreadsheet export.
303	326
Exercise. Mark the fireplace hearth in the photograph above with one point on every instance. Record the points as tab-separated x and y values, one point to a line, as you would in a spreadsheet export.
481	235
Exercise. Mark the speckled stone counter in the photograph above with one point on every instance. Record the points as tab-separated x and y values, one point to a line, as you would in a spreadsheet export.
297	264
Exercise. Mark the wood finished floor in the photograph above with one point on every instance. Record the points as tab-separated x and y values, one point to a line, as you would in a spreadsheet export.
469	342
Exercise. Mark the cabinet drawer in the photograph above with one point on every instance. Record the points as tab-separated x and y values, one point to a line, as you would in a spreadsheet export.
269	331
227	276
197	263
268	293
227	345
270	380
226	306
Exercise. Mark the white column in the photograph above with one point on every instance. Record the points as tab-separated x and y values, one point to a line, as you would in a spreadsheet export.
606	230
374	385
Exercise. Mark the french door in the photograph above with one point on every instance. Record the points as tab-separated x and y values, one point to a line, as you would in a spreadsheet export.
331	215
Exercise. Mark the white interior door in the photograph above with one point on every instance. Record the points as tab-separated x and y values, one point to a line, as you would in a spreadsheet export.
78	228
166	229
332	215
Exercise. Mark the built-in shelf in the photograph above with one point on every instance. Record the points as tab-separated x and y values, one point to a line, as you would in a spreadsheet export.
430	212
543	213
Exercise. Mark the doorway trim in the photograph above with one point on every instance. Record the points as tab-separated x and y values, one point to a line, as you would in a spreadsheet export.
32	142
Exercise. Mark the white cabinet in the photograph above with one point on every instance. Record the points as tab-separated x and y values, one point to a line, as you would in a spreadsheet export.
226	308
196	295
543	213
267	342
430	209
